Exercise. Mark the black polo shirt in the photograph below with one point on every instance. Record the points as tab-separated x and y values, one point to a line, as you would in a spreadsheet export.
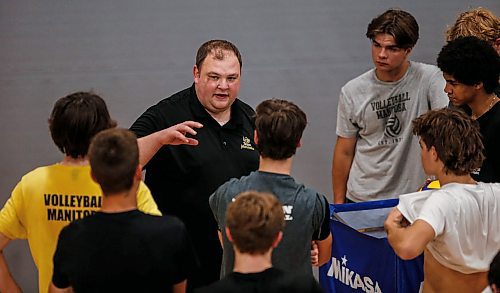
182	178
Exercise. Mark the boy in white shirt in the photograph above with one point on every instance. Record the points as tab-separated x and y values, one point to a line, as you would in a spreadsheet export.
458	226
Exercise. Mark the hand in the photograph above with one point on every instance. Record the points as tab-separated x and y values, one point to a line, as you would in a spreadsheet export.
394	219
176	135
314	254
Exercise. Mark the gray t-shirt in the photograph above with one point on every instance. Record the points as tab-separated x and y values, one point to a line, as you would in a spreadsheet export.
306	216
387	157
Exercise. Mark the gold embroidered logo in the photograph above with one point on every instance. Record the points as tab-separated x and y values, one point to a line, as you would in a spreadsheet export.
247	144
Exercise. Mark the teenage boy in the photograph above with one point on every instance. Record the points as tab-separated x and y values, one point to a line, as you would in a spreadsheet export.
254	226
375	152
49	197
279	127
458	226
119	248
471	68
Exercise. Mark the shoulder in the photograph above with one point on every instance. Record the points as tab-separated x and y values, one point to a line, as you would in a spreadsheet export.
38	172
227	190
364	78
441	201
313	194
74	228
444	194
295	282
425	70
47	175
163	221
234	185
226	285
244	106
246	111
179	99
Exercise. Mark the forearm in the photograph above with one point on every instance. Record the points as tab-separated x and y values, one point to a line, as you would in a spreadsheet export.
340	173
324	250
343	155
395	237
148	147
409	242
7	282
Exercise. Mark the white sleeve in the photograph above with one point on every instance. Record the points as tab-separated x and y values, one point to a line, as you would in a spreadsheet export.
435	210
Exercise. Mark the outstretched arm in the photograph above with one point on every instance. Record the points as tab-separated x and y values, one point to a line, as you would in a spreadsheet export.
408	241
7	283
343	154
174	135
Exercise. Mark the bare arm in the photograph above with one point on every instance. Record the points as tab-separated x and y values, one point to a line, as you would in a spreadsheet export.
407	241
179	287
324	250
343	155
174	135
54	289
7	282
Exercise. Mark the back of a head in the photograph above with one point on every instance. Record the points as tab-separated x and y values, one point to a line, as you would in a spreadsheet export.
397	23
494	273
254	220
471	61
478	22
455	136
114	157
217	48
279	125
75	119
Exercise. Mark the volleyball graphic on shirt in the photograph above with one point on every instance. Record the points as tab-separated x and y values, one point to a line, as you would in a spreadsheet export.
393	126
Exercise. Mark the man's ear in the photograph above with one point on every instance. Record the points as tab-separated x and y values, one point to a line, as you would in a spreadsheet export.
299	144
228	234
277	240
196	74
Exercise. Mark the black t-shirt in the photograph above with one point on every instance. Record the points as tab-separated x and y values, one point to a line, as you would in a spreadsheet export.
182	178
489	124
269	281
123	252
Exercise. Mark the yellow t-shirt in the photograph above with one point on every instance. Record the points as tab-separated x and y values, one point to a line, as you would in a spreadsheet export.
47	199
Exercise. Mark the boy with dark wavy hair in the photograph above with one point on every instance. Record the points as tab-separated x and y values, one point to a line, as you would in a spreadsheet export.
458	226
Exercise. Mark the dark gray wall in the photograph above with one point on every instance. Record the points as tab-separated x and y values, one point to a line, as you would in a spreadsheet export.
134	53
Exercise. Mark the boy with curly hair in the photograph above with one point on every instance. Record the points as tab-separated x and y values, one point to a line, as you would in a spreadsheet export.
456	227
